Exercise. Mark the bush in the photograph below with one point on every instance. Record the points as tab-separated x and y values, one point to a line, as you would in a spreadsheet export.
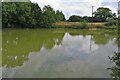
115	69
84	25
74	18
112	23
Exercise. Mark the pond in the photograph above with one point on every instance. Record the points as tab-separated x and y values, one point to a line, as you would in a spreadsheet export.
57	53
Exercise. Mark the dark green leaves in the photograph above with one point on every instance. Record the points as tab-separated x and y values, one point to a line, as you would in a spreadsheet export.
29	15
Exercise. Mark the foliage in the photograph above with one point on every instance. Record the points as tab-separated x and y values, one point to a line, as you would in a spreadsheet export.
60	16
49	15
75	18
116	69
101	15
85	18
29	15
84	25
16	1
112	23
104	14
119	22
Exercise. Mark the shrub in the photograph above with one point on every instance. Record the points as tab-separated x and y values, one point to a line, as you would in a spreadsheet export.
112	23
116	68
84	25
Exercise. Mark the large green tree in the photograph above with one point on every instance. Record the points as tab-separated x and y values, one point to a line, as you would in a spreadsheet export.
103	14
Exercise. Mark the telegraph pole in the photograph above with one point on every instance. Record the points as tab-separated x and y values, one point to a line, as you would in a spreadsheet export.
92	16
92	26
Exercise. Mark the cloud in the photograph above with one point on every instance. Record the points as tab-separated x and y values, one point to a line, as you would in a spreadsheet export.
77	7
112	5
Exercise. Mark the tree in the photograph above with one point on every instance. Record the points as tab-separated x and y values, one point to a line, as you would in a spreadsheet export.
8	10
36	15
29	15
114	16
49	15
16	1
85	18
59	16
75	18
116	68
102	14
24	15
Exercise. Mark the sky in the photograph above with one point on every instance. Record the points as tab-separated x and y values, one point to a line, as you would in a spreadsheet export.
78	7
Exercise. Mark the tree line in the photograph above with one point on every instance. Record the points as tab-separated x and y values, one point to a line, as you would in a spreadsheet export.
102	14
29	15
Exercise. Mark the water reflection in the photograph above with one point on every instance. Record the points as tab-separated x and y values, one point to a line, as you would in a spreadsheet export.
20	43
115	58
57	53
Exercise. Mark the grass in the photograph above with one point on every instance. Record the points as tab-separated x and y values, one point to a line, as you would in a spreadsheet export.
79	25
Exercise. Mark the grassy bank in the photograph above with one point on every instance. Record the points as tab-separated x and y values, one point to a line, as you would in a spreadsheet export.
83	25
75	25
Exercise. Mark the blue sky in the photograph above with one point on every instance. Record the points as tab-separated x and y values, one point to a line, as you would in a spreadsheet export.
78	7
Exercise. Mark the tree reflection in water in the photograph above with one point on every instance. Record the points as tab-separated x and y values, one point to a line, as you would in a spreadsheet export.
17	44
26	49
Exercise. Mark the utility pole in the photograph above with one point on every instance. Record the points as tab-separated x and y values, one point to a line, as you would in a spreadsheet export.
92	26
92	16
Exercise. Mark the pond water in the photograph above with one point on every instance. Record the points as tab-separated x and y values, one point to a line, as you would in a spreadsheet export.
57	53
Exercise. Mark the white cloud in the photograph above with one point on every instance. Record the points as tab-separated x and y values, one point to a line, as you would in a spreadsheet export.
75	7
